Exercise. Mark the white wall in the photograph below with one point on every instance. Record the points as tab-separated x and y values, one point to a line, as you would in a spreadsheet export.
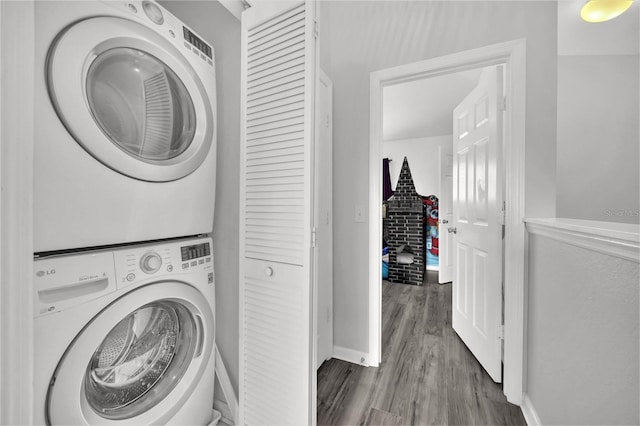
582	343
217	26
598	138
358	37
422	155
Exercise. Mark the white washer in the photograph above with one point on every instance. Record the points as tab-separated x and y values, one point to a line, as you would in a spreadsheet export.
125	137
126	337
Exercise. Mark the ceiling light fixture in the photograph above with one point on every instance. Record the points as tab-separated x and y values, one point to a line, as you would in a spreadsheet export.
604	10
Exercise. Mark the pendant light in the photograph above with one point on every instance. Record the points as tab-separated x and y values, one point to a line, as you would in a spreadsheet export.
604	10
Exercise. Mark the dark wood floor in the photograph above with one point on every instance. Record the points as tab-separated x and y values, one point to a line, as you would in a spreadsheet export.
427	375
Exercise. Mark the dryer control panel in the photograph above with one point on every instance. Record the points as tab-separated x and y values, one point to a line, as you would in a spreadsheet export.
173	29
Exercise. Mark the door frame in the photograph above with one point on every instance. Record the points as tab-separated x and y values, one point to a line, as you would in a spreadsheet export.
513	55
322	80
16	211
442	213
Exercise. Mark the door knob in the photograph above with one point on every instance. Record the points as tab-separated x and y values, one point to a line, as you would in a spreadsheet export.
452	230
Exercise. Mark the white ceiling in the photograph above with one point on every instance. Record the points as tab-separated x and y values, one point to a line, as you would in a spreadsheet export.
424	108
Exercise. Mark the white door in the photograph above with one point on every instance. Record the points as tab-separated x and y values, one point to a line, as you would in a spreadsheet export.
142	110
477	201
277	342
446	252
324	221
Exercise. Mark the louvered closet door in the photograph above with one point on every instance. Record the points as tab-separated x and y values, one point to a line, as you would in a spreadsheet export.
277	378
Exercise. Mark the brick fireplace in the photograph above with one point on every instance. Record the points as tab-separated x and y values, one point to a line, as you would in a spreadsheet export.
405	230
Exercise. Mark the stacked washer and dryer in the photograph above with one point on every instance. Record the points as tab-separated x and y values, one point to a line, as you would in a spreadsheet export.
125	155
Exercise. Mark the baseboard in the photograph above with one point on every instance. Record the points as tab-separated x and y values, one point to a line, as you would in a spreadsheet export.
227	389
529	412
351	355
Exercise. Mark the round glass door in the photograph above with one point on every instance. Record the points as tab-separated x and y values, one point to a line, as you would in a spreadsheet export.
132	99
140	360
140	104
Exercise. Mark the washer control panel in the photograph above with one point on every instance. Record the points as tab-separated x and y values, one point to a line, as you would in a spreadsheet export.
195	254
62	282
139	263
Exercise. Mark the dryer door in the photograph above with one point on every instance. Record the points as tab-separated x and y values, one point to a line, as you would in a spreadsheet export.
148	347
131	98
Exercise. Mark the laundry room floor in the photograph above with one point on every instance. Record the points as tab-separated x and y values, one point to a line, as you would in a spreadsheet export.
427	374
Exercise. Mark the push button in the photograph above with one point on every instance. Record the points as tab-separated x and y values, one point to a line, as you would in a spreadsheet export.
201	261
131	277
169	268
194	262
185	265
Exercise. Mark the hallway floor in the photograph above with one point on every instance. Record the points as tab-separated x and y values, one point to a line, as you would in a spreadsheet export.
427	374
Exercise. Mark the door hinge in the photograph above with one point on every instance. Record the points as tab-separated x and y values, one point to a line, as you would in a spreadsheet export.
502	104
501	332
502	214
315	29
313	237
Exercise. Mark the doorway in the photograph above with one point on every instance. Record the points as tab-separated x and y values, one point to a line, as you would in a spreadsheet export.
512	55
417	128
468	105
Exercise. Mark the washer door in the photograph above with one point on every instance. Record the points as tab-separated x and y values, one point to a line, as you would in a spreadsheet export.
148	347
130	98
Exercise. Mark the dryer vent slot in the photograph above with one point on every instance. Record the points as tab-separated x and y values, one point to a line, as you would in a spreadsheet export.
72	291
158	117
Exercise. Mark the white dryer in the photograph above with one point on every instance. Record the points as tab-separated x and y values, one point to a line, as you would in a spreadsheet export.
126	337
125	137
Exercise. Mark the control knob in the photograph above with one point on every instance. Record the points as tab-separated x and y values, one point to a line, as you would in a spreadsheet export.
150	262
153	12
